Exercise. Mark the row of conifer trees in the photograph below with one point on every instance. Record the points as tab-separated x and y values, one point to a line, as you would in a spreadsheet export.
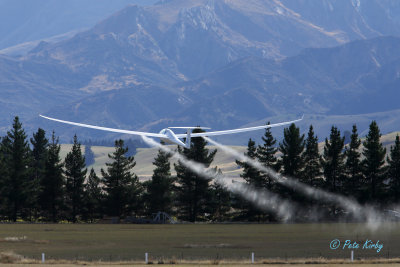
359	170
36	185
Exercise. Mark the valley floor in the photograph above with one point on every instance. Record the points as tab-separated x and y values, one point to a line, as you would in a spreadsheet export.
196	243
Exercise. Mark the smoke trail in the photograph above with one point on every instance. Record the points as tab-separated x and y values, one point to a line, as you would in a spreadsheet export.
348	204
264	199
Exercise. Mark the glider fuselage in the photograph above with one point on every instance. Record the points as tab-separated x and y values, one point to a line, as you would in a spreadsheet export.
171	138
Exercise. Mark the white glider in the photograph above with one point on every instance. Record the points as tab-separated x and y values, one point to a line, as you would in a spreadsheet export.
168	136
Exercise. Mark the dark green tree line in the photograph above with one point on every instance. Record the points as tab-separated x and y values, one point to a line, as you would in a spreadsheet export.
36	185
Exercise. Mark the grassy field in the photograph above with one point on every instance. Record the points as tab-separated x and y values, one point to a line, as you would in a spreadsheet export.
205	264
347	264
194	241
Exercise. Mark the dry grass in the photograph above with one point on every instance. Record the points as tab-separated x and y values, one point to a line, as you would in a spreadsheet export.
10	257
14	260
18	239
194	242
329	262
13	239
145	156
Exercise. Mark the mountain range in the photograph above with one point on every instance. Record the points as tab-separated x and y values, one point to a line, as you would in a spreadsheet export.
221	63
24	22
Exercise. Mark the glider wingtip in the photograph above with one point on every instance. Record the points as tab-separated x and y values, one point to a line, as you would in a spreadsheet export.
43	116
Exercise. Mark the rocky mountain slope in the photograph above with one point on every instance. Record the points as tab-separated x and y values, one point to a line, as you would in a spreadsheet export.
322	83
26	21
220	63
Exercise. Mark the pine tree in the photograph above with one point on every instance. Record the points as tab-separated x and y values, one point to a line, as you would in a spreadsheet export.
120	184
159	188
52	194
254	178
89	155
394	170
94	198
3	182
353	168
75	173
193	191
250	174
39	156
333	160
311	172
333	163
266	156
220	202
17	161
292	148
311	159
373	163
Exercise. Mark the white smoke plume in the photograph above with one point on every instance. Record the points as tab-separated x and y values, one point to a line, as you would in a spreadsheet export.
263	199
372	217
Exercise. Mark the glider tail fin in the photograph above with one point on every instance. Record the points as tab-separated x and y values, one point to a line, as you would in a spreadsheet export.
189	133
188	137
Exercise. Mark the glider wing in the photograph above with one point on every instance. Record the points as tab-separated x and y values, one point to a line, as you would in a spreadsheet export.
240	130
105	128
